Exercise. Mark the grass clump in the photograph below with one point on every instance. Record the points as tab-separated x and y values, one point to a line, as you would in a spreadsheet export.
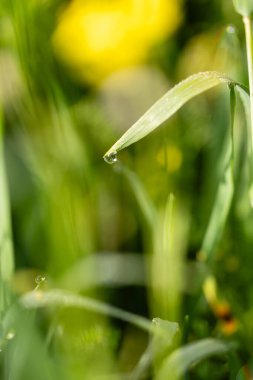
141	269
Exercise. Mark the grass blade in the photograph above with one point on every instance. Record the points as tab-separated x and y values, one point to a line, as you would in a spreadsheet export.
224	193
57	297
144	202
6	247
164	338
167	106
183	358
245	99
167	265
219	215
111	269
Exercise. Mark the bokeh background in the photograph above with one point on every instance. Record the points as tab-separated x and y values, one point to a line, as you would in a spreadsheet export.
74	75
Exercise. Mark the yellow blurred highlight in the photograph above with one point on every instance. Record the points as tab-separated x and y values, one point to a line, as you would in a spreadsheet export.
96	37
221	309
210	290
171	158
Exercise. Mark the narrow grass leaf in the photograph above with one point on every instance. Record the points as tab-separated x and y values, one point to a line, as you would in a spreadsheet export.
164	337
6	246
167	268
144	202
167	106
218	216
245	99
165	276
105	269
26	356
57	297
224	194
183	358
166	329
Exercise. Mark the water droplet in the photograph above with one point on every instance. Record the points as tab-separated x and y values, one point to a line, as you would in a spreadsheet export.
40	279
10	335
230	29
111	158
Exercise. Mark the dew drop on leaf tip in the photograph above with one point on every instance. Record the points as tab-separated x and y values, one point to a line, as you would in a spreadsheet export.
40	279
111	158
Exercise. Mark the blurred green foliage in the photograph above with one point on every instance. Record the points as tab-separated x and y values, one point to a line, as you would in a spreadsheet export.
128	235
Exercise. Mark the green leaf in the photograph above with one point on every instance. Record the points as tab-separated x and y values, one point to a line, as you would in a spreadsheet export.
219	214
245	99
6	246
243	7
111	269
167	329
183	358
144	202
225	191
57	297
163	339
167	106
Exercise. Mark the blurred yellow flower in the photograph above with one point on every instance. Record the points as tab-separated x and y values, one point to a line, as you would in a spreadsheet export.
97	37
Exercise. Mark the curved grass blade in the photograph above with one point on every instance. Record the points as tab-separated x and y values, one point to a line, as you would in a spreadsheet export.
224	194
219	215
58	297
163	340
183	358
111	269
167	106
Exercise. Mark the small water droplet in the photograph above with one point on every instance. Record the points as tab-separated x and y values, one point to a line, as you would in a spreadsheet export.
40	279
230	29
111	158
10	335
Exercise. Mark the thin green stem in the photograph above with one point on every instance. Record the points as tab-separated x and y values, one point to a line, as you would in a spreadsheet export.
249	47
6	246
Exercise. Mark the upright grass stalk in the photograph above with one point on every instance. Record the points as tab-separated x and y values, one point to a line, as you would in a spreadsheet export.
6	246
247	20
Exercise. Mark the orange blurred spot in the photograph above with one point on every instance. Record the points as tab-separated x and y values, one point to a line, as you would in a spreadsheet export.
229	327
222	310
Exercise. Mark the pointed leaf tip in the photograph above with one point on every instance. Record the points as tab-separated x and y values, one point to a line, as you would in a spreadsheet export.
167	106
